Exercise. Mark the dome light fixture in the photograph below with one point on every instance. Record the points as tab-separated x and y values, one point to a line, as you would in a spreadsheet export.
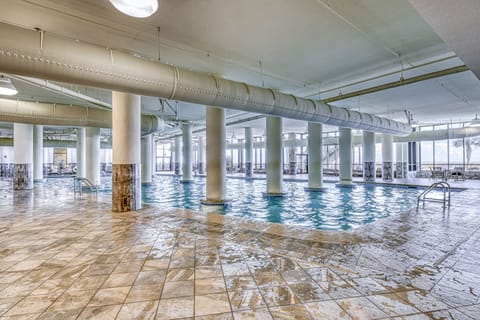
136	8
6	87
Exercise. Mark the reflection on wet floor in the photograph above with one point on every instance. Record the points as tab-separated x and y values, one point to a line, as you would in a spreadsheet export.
67	258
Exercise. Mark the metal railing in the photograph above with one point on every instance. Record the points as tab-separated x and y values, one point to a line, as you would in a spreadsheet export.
77	186
445	189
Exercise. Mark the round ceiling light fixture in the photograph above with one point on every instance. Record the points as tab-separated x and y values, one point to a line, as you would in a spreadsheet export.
6	87
136	8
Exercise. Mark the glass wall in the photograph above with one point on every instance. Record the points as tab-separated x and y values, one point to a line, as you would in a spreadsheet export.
163	157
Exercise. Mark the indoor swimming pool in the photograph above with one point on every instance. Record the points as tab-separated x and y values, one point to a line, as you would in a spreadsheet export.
335	209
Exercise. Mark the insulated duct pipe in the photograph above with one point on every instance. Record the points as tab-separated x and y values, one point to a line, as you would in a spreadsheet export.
62	115
43	55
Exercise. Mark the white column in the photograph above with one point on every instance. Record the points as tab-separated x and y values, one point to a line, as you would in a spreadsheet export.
216	165
177	164
274	157
401	155
92	155
369	166
345	148
315	161
126	150
387	157
292	157
81	152
147	159
37	153
22	156
187	151
248	153
201	155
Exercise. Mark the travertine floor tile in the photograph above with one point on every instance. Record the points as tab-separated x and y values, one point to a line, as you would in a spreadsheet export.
176	308
211	304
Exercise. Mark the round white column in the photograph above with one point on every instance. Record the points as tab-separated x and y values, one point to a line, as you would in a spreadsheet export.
37	153
126	150
22	156
274	157
81	152
178	156
292	157
387	157
369	166
216	164
187	151
147	159
315	161
345	148
201	155
248	153
401	155
92	155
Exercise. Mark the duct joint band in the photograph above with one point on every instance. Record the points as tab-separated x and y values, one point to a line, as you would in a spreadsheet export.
176	77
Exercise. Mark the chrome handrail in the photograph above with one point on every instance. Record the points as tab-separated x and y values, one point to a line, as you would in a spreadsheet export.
77	185
445	186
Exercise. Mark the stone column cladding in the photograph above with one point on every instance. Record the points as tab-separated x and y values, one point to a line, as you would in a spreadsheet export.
92	154
402	159
248	153
147	159
216	164
37	153
81	151
369	167
292	157
126	150
187	151
345	145
274	157
315	165
126	187
178	155
22	156
387	157
201	156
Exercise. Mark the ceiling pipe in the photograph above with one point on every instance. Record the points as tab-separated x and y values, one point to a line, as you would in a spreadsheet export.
43	55
18	111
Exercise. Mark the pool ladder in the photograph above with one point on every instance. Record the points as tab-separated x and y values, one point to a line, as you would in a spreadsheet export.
444	186
77	186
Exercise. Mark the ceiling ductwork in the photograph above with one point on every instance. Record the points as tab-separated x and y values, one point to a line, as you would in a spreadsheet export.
42	55
63	115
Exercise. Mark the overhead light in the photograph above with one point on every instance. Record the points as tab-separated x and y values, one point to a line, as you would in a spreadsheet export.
6	87
136	8
475	122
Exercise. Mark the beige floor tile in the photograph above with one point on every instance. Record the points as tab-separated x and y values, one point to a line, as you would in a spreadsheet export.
260	314
211	304
138	310
278	296
72	299
31	304
246	299
361	308
120	280
181	274
178	289
293	312
176	308
223	316
156	264
150	277
392	305
144	293
330	310
210	285
109	296
100	313
208	272
88	283
60	315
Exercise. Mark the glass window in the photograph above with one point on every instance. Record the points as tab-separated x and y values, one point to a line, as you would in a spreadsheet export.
426	153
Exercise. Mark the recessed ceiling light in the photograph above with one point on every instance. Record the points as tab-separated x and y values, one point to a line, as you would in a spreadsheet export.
6	87
136	8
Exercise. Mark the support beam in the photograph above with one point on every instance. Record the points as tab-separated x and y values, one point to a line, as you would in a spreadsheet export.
401	154
345	146
274	157
92	155
81	152
187	151
37	153
292	156
126	188
22	156
201	155
369	166
315	161
387	157
216	166
147	159
178	156
248	153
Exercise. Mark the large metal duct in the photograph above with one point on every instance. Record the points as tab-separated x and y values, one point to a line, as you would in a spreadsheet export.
47	56
63	115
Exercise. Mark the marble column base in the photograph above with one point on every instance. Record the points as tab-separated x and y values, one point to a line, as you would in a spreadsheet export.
292	168
401	170
315	189
126	188
274	194
201	168
177	168
220	203
369	171
387	171
248	170
22	176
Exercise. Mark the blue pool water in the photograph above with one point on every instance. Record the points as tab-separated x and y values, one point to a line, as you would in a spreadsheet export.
337	208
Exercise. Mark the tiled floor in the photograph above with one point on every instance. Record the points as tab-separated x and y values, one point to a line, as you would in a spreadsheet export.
62	258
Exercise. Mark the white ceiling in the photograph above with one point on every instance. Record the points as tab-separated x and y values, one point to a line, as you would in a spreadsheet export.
304	46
